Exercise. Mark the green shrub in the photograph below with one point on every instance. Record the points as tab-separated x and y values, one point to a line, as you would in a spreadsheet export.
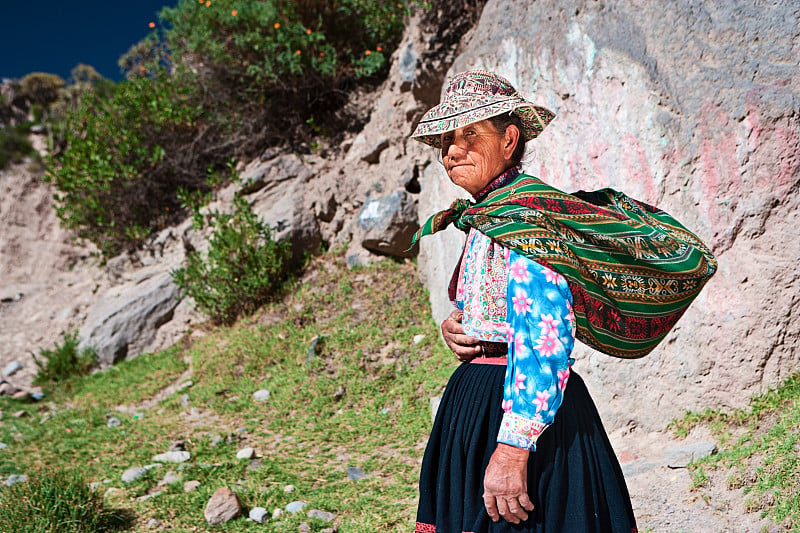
244	268
57	501
14	144
126	155
258	42
84	80
64	361
41	88
277	63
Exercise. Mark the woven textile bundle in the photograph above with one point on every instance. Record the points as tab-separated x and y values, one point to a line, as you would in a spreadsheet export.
633	269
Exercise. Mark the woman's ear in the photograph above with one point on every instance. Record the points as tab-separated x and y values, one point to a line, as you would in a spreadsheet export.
510	140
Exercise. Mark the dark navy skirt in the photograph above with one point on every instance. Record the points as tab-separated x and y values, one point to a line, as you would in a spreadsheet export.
574	478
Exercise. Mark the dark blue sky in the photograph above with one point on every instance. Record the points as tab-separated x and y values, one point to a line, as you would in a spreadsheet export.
54	36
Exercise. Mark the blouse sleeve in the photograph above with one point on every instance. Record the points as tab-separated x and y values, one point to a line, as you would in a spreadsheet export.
541	338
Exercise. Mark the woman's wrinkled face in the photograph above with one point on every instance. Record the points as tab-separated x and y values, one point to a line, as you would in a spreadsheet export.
475	154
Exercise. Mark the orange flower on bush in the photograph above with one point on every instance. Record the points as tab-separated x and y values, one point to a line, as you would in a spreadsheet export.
308	31
152	24
367	53
276	25
208	3
298	52
234	12
322	54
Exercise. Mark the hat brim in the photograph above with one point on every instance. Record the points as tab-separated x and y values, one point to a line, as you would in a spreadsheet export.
459	112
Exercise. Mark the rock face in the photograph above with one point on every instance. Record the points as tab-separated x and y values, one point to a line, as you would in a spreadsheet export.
46	281
698	116
277	190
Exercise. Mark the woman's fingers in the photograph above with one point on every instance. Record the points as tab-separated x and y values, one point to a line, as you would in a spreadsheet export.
502	508
490	503
465	347
464	352
516	513
507	508
526	502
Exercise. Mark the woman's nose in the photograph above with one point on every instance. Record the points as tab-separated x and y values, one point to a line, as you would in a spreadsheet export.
456	147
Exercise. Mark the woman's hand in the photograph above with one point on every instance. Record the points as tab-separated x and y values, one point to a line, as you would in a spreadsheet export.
505	484
465	347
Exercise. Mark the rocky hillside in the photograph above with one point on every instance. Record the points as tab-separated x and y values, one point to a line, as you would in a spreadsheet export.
693	107
697	115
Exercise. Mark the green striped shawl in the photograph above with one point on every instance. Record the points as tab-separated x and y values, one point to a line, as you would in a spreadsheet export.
633	269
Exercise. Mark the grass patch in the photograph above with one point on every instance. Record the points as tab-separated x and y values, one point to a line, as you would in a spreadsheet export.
349	388
58	501
63	362
760	449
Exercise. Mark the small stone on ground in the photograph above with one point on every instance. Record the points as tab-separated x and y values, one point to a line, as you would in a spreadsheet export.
681	456
12	368
132	474
355	473
223	507
259	514
176	456
245	453
321	515
13	479
189	486
261	395
295	507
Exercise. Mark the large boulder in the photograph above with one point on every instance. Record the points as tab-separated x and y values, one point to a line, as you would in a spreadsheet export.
126	319
388	223
698	116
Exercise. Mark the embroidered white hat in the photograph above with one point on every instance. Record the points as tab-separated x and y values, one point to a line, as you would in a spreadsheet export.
476	95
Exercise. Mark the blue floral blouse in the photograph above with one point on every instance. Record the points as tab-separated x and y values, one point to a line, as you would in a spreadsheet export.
537	321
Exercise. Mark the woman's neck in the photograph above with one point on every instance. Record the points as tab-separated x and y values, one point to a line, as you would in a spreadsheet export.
500	181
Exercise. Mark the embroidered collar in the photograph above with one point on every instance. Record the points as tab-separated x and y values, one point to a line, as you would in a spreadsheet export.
500	181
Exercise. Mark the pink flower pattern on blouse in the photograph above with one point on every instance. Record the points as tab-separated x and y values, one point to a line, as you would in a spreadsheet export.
548	345
507	405
549	325
518	270
552	276
563	376
541	400
522	304
571	316
519	381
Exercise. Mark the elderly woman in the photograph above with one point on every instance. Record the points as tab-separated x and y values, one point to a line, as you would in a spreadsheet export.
517	444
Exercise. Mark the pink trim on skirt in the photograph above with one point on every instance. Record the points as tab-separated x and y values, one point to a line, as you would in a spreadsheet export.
499	360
